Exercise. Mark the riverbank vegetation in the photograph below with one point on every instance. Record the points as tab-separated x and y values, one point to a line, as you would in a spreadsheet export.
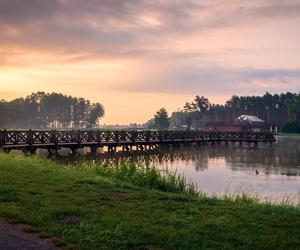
277	110
101	207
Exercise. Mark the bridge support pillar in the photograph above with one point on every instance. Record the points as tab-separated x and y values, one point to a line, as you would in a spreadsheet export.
53	152
253	144
111	149
94	150
29	151
50	153
32	150
75	151
153	146
6	150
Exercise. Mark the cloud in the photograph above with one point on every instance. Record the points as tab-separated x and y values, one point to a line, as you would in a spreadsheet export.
100	27
219	80
173	46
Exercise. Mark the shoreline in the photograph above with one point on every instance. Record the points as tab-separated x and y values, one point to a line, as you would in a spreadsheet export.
89	208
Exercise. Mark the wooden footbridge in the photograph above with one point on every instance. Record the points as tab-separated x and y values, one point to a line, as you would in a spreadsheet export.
52	140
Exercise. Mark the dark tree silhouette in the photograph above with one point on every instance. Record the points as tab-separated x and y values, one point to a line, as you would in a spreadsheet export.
161	119
96	110
42	110
281	111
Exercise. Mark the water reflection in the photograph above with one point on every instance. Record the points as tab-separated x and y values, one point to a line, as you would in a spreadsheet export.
272	172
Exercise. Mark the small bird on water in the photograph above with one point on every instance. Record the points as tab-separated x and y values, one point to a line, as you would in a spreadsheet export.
256	172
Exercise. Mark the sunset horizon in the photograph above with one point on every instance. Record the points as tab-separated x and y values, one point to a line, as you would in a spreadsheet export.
130	116
127	54
149	124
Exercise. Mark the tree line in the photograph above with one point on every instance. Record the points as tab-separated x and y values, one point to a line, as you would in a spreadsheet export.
278	110
49	110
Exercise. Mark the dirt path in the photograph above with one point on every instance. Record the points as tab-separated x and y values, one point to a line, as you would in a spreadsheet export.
12	237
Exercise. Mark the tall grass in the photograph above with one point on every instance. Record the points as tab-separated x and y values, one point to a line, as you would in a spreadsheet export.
163	180
148	176
242	195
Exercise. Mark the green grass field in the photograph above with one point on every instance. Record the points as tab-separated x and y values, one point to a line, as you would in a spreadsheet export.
101	208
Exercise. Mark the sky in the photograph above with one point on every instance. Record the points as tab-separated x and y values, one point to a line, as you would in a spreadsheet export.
136	56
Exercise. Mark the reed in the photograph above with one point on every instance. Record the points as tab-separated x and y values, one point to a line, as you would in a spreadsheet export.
149	177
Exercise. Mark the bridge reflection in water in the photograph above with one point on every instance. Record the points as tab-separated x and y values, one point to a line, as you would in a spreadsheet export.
218	168
283	158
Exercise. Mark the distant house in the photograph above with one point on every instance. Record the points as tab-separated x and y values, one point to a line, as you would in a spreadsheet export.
251	122
249	119
222	127
242	123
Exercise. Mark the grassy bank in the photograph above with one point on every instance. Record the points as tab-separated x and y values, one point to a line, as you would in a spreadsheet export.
101	207
286	134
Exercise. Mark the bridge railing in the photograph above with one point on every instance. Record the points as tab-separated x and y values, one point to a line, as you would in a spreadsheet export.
54	137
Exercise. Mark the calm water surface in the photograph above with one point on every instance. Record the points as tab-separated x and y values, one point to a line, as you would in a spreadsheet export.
227	169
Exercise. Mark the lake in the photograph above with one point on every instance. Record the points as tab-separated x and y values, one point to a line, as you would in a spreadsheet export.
270	172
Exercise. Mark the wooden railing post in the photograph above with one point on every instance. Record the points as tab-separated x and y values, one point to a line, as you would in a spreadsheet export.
117	140
29	138
98	136
148	135
73	138
78	137
160	135
133	136
54	137
1	138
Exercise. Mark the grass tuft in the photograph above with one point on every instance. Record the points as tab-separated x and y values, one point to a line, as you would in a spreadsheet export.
149	177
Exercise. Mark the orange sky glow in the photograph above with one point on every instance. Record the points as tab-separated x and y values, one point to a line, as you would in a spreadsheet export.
135	57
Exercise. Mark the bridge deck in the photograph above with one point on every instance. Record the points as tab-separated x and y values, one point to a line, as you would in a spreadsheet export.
54	139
